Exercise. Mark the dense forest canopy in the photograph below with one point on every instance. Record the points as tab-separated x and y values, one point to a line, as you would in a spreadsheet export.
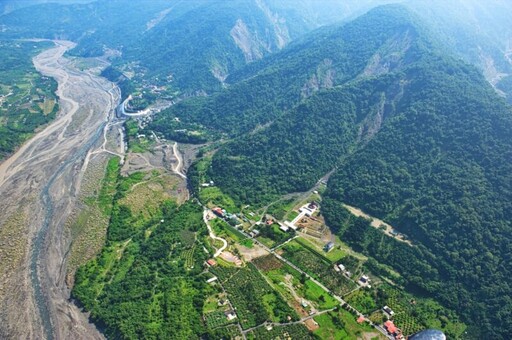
426	145
404	106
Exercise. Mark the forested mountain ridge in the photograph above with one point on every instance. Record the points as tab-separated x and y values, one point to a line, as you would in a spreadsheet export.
227	34
234	33
373	44
441	173
419	139
412	135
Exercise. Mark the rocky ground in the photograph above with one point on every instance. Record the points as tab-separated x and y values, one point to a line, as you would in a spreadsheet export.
39	186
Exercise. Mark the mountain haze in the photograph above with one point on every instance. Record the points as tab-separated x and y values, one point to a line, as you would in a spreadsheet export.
401	107
400	130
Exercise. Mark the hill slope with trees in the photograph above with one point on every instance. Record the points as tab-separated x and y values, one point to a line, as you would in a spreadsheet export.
426	145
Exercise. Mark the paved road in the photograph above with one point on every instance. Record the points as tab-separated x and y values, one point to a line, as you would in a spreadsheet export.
338	298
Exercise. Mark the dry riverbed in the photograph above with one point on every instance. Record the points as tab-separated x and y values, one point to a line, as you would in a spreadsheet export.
39	186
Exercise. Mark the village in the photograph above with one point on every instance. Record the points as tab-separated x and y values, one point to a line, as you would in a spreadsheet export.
301	242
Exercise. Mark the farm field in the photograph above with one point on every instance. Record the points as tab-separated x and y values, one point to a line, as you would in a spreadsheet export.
318	267
216	319
364	300
298	332
254	299
413	314
342	325
293	286
27	99
334	255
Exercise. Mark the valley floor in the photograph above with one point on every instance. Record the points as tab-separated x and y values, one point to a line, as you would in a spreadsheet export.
39	185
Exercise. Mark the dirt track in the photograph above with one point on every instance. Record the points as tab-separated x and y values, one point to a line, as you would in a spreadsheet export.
38	189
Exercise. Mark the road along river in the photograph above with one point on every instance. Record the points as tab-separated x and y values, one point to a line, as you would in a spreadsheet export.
39	185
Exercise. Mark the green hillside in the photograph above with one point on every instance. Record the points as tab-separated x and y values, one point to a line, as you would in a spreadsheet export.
396	105
425	145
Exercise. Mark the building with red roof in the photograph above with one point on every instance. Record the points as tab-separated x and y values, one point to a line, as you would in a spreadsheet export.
218	212
390	327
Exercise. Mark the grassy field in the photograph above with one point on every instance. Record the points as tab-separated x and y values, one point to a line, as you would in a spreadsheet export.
254	299
214	197
332	256
363	300
328	330
292	332
145	196
314	292
342	325
318	267
287	281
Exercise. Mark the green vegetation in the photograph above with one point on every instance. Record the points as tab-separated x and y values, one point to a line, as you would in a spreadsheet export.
430	179
254	299
223	229
314	292
149	274
333	255
108	188
285	280
27	99
274	234
136	142
421	143
340	324
318	267
280	208
364	300
297	332
88	229
216	319
412	312
416	137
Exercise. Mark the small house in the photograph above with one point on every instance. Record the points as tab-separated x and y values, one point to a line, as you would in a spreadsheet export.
218	211
230	315
388	311
213	279
364	279
390	327
254	233
328	247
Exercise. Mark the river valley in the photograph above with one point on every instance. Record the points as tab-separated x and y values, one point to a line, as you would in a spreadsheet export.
39	186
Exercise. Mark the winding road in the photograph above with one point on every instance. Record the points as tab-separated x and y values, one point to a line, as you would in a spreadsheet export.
39	186
206	213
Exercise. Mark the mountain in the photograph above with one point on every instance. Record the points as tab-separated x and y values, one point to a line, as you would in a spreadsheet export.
234	33
418	138
7	6
228	34
476	31
330	57
393	103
